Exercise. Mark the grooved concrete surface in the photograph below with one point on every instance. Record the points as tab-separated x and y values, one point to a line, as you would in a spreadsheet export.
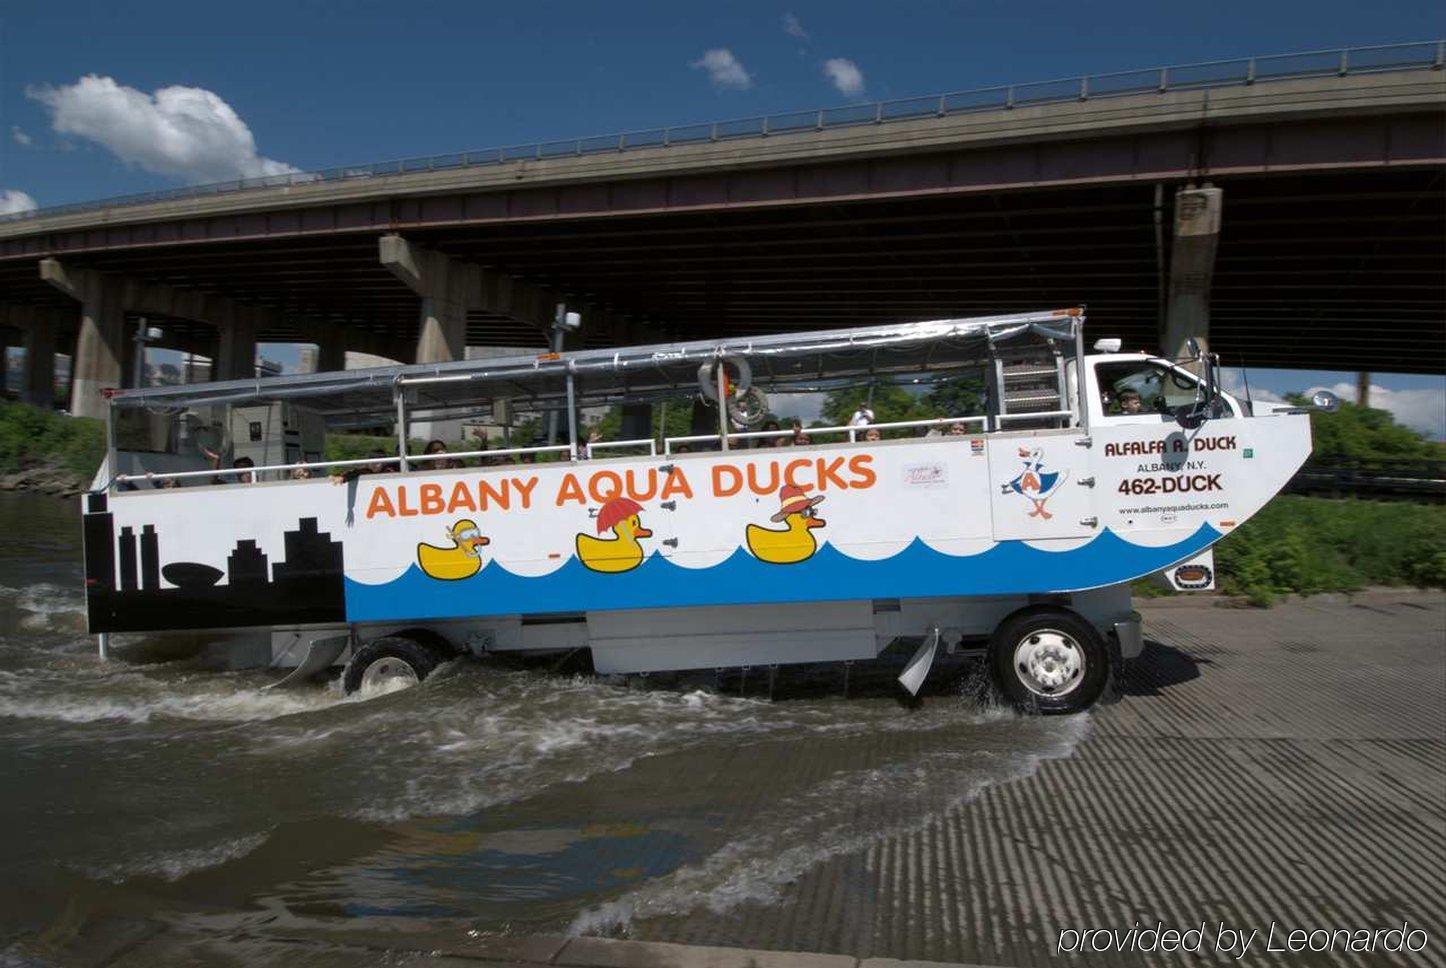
1284	765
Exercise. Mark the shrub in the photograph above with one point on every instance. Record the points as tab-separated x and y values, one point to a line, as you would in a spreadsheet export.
1310	544
30	436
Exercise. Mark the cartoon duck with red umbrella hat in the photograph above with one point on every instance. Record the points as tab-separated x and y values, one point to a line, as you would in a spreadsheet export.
1035	483
621	552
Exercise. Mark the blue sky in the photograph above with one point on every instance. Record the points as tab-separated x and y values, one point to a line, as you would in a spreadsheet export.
315	84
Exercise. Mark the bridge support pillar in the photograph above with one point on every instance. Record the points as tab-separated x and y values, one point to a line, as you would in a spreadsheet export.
330	348
236	327
99	347
1192	267
39	334
448	287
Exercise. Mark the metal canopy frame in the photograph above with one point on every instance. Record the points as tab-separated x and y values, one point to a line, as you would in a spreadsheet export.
909	353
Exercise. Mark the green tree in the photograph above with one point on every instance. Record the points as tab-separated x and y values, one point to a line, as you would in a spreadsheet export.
960	397
1353	431
671	418
890	403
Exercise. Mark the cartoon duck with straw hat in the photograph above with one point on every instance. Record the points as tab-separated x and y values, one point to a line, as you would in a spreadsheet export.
795	541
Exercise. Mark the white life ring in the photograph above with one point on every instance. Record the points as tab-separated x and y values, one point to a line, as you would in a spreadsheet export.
708	376
748	405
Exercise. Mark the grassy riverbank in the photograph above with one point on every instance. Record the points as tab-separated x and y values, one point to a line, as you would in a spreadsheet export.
1295	545
42	450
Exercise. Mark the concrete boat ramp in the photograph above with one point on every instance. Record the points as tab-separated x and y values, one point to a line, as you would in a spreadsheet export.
1283	766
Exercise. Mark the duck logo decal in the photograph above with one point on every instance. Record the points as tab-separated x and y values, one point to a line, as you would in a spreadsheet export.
462	560
621	552
795	541
1035	483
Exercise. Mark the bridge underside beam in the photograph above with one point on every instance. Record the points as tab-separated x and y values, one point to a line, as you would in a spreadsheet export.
1327	270
1178	154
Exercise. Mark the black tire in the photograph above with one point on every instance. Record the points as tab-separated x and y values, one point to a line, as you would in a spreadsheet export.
1055	631
420	659
435	642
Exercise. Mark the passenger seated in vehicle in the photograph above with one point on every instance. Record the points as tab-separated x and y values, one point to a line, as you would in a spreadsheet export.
872	435
301	474
438	447
957	430
767	441
1130	402
241	478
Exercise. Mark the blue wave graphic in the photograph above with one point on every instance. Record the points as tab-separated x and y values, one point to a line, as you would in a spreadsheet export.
1010	567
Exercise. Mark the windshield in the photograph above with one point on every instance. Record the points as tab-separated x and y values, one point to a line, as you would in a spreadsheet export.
1140	386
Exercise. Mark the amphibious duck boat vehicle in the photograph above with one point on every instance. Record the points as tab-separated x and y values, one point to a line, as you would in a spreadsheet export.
1015	528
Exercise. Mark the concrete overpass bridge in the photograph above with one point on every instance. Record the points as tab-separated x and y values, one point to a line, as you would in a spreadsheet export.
1291	210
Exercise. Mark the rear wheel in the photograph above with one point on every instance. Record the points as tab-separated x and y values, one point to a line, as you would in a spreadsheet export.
388	664
1049	661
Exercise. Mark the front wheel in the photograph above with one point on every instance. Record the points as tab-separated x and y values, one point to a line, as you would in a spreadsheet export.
388	664
1049	661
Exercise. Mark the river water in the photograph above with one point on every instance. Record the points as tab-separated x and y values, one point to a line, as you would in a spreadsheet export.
158	796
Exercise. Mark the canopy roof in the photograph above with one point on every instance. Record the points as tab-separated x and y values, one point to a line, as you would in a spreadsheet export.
795	362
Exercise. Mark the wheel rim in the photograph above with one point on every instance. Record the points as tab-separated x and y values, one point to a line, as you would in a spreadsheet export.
389	673
1049	663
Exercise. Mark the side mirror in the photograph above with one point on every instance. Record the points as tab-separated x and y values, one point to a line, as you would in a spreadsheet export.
1190	416
1325	400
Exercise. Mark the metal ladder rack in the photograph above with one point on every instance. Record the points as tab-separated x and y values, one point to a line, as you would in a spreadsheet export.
1023	385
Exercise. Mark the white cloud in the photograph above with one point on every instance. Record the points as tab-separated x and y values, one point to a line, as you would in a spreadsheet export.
1234	384
724	69
185	132
13	200
845	75
1422	409
20	137
794	27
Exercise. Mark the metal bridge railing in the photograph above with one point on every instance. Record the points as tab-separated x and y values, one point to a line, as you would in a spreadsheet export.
1185	77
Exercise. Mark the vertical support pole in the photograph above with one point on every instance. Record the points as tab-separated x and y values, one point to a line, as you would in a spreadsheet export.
559	332
1079	375
109	468
722	404
401	396
571	414
138	379
102	642
1363	389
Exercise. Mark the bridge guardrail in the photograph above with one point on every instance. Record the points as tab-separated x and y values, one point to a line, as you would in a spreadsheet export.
1372	477
1209	74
